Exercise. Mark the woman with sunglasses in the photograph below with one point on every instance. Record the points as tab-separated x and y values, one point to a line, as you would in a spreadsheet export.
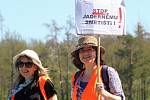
32	82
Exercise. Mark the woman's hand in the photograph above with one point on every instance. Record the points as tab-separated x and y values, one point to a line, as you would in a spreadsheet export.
108	96
100	88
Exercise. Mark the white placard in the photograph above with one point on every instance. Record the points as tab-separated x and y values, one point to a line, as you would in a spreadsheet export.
100	17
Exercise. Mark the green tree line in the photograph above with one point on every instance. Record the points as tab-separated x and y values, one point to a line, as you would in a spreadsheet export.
128	54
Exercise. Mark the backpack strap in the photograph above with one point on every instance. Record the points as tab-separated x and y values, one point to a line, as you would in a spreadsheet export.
105	77
77	74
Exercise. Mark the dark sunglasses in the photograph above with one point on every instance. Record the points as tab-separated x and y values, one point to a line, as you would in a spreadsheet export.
20	64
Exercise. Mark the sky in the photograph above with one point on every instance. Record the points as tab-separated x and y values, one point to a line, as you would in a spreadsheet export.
27	17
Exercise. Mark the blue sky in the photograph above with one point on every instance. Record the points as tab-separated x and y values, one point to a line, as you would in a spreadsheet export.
27	17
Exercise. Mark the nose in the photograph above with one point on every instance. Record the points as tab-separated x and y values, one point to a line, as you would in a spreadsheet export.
24	66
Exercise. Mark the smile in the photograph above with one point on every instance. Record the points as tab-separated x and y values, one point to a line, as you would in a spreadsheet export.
87	57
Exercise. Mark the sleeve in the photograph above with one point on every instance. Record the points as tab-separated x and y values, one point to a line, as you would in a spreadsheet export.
115	83
49	88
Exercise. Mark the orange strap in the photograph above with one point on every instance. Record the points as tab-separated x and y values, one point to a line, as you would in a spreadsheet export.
42	80
13	98
90	91
73	79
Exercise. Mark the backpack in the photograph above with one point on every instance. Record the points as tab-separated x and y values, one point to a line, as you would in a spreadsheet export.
104	74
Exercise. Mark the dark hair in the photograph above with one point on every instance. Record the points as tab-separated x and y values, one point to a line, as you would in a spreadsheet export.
76	60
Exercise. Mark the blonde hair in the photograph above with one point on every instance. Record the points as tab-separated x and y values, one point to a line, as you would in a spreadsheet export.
30	54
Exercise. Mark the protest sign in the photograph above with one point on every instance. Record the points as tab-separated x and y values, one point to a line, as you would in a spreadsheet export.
100	17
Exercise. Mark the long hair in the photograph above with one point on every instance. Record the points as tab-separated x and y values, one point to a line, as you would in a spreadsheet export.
20	79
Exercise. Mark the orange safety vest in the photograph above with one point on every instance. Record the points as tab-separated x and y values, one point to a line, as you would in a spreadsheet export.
89	92
42	80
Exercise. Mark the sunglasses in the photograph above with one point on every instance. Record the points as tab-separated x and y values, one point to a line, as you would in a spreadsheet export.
21	64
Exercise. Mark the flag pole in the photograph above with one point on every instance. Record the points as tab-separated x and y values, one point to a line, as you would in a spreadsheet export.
98	63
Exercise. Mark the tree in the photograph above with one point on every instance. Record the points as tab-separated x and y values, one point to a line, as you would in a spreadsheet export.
10	45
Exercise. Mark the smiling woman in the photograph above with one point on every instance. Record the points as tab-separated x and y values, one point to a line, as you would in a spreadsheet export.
84	81
26	67
33	82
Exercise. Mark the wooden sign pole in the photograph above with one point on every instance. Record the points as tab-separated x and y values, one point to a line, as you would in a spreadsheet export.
98	63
